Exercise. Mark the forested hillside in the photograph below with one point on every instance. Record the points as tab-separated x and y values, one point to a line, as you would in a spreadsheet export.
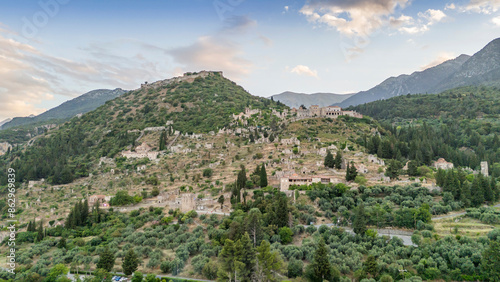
460	125
199	105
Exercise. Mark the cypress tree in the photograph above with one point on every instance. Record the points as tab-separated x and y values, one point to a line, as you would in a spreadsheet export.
320	269
329	161
477	193
338	160
281	218
130	262
359	223
347	172
106	260
84	212
263	176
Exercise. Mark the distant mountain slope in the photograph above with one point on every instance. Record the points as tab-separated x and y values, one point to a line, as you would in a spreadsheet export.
293	99
418	82
5	121
79	105
483	68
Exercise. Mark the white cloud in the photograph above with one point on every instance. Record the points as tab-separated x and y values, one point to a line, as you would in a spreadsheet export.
424	21
31	76
213	53
352	17
432	16
304	70
496	21
441	58
450	6
402	20
482	6
286	8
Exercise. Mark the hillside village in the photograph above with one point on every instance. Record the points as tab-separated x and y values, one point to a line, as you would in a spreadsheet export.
288	161
165	172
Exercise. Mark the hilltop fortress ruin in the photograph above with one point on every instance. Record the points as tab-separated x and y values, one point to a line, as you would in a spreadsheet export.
188	76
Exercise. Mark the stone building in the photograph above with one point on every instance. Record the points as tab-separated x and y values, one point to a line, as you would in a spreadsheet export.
330	111
442	164
484	168
295	179
142	151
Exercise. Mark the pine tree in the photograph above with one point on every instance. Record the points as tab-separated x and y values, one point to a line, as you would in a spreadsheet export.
320	269
130	262
370	265
329	161
246	255
62	243
490	261
254	225
413	168
106	260
267	262
359	223
465	194
263	176
338	160
230	266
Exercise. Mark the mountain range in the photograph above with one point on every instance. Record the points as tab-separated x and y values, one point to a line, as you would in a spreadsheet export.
79	105
483	68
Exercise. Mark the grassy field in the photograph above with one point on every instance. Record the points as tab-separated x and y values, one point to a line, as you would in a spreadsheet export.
463	226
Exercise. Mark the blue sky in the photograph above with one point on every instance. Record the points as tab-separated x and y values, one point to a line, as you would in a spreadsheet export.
55	50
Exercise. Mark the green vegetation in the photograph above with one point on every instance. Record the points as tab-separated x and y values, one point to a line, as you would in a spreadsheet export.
460	125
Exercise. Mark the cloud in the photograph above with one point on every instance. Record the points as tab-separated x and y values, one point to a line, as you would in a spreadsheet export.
238	24
496	21
285	9
304	70
450	6
482	6
213	53
441	58
352	17
266	40
423	23
31	76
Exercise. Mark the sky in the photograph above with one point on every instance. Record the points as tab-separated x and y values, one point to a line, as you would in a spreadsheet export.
54	50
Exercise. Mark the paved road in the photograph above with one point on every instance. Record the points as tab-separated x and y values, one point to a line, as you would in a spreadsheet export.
72	277
456	214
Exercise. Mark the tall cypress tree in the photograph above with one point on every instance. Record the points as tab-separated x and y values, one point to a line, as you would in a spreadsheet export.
338	160
329	161
359	223
130	262
106	260
477	193
320	269
84	212
263	176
